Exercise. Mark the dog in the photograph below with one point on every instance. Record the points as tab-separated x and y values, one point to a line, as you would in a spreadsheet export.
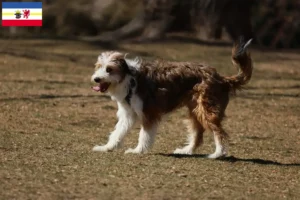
147	90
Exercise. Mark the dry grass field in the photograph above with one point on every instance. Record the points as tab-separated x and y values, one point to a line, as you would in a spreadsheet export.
50	119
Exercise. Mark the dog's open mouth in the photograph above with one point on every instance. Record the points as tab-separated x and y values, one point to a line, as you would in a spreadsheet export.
102	87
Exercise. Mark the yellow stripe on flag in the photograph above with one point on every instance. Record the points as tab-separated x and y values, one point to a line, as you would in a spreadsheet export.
13	14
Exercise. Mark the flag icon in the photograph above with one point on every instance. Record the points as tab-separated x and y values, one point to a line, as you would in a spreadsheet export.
22	14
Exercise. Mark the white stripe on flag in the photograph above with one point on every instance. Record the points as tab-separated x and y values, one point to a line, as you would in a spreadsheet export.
21	9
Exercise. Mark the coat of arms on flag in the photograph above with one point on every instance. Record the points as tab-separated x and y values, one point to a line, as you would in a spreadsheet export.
22	14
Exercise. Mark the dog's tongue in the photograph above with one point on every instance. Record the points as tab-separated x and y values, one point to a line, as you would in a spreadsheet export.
96	88
102	87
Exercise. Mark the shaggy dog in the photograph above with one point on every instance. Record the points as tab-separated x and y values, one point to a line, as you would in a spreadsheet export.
147	90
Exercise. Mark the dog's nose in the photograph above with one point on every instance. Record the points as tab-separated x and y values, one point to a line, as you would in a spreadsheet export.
97	80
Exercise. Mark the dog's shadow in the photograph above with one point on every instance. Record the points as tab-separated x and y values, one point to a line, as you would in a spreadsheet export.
233	159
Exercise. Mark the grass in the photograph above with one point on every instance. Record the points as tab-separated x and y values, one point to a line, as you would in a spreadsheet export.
51	119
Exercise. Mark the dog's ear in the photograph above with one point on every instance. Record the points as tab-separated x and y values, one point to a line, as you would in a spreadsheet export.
133	61
123	65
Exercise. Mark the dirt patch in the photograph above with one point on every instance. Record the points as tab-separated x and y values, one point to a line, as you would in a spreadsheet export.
50	120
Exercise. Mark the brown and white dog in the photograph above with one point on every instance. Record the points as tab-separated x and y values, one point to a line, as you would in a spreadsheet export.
147	90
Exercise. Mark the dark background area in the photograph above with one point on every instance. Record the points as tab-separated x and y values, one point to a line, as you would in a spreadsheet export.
273	23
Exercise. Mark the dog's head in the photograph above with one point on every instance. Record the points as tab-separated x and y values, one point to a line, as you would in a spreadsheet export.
110	69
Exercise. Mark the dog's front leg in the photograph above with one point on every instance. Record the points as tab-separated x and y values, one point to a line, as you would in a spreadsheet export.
127	119
146	139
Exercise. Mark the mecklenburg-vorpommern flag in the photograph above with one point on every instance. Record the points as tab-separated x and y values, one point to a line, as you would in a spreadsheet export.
22	14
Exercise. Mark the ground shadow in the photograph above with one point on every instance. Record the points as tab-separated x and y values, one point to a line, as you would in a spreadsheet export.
179	39
38	80
116	47
57	41
50	96
273	87
249	95
233	159
217	43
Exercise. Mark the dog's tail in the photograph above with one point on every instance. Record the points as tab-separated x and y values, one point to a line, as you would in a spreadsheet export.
242	59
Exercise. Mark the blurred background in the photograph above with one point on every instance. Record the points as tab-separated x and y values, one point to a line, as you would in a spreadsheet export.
273	23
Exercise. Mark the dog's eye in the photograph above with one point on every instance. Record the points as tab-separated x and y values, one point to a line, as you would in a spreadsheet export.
108	69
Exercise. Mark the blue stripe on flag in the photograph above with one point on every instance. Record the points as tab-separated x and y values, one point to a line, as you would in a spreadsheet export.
21	5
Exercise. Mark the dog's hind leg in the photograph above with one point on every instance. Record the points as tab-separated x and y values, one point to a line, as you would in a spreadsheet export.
220	137
212	119
146	138
210	111
195	138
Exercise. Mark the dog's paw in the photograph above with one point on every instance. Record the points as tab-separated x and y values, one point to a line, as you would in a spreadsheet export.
216	155
103	148
183	151
136	151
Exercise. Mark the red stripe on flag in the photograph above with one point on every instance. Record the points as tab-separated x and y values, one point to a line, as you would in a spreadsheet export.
22	23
